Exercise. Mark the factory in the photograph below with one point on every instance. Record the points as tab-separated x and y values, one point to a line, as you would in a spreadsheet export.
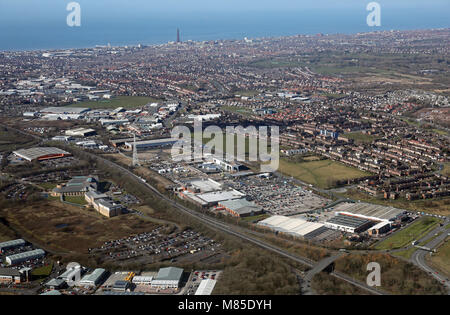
293	226
93	279
150	144
228	166
9	275
11	244
168	278
64	110
23	257
41	153
210	199
370	211
240	207
206	287
349	224
80	132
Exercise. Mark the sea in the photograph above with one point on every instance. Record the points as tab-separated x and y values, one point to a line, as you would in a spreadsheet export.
36	28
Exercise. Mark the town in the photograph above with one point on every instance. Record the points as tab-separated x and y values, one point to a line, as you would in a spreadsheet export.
94	202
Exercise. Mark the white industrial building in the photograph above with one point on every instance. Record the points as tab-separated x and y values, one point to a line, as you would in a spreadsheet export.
80	132
168	278
25	256
93	279
370	211
41	153
206	287
293	226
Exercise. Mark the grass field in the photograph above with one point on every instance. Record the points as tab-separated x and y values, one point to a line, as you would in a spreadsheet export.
79	200
322	174
446	170
407	253
128	102
441	260
359	137
405	237
42	272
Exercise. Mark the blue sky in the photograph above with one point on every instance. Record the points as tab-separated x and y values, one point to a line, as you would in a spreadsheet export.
21	9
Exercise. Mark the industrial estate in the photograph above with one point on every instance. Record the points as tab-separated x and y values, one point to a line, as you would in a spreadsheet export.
93	202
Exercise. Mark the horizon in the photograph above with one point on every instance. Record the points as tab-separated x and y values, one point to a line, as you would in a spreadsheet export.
43	25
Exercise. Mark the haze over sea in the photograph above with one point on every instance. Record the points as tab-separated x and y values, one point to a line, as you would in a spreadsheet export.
41	24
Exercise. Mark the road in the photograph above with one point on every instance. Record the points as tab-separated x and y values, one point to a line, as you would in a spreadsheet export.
418	257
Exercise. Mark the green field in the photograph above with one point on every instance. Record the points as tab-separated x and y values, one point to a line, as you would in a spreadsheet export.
407	253
446	170
406	236
323	174
79	200
42	272
359	137
128	102
441	259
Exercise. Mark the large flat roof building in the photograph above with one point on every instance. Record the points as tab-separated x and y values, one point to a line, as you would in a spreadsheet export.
241	207
168	278
289	225
64	110
93	279
23	257
370	211
41	153
11	244
348	223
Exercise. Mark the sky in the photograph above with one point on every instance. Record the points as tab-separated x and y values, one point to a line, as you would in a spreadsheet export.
14	10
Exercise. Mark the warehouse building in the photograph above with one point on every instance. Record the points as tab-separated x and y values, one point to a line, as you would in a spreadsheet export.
370	211
93	279
64	110
9	275
11	244
293	226
206	287
168	278
380	228
349	224
241	207
23	257
80	132
41	153
211	199
149	144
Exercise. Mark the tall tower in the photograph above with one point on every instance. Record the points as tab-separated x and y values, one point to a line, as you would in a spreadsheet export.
135	156
178	36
